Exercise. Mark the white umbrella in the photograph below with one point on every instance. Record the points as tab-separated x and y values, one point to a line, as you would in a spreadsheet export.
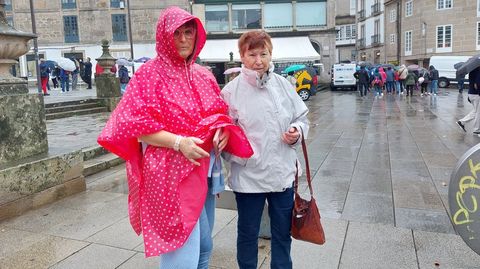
232	70
66	64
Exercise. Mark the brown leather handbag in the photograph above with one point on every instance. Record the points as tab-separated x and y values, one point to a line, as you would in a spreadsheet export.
306	225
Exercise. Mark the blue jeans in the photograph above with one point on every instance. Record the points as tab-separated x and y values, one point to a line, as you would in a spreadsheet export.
65	83
195	253
434	86
250	208
390	86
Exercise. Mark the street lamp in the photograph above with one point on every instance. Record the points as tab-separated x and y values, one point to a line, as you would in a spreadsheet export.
35	46
130	33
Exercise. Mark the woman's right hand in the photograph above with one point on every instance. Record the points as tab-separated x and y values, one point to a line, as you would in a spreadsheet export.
189	148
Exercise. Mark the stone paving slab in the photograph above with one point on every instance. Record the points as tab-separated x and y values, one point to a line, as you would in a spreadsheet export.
371	246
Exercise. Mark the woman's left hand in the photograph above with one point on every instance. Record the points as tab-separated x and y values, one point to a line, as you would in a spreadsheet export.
291	136
220	140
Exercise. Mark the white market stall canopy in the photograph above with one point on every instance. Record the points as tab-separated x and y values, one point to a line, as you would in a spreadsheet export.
285	49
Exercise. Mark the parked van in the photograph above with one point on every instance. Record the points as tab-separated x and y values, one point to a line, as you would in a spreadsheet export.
342	76
446	71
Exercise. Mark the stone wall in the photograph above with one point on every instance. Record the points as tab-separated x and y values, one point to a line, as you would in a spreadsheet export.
22	123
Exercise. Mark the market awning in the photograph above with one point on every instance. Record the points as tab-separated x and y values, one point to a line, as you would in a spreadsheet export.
285	49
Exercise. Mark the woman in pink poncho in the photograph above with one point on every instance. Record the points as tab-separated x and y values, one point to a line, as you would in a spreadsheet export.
173	106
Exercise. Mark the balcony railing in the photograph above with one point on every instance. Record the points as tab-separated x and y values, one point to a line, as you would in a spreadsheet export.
376	9
375	40
361	15
361	43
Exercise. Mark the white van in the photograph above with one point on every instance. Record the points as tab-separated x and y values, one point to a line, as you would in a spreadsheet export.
342	76
446	71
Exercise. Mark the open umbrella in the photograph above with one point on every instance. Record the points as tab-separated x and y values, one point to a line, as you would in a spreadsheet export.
232	70
293	68
124	62
458	65
51	64
142	60
413	67
469	66
66	64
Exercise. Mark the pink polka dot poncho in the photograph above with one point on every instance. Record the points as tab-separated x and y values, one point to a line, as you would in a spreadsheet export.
166	191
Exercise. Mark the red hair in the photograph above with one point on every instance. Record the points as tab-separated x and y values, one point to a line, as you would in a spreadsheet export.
253	40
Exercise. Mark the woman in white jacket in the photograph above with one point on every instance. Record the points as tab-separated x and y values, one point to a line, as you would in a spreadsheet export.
273	117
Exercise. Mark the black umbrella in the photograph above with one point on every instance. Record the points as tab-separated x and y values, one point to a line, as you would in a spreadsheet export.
469	65
458	65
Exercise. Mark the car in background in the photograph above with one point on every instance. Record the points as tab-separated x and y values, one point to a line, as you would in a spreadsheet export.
446	71
342	76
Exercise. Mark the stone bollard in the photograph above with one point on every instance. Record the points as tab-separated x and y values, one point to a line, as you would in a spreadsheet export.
107	84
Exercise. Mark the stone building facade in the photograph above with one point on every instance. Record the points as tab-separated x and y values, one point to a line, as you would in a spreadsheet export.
423	29
370	31
346	28
93	21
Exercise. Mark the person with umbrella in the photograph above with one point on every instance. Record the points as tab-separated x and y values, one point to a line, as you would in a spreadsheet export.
124	78
474	98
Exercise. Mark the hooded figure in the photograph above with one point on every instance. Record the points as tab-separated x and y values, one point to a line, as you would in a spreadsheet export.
169	94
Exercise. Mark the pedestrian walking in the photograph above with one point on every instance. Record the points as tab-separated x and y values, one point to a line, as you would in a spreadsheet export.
377	84
423	81
87	69
273	118
390	80
402	74
410	82
75	74
173	106
363	79
55	76
44	76
474	98
64	80
433	75
123	77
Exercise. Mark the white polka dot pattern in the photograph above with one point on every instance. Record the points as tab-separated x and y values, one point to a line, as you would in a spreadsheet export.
166	191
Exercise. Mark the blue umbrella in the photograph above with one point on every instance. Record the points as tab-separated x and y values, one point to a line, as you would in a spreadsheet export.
51	64
293	68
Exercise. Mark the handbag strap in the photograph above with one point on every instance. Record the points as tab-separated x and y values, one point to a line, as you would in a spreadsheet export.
307	167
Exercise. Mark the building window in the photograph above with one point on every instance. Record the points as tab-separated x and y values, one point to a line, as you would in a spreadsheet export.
10	20
69	4
117	3
444	4
478	35
311	14
444	38
353	7
246	17
393	15
277	16
216	17
8	5
70	28
346	32
408	43
119	27
409	8
392	38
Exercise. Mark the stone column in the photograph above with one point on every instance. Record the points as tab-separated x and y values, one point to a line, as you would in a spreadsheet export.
23	131
107	84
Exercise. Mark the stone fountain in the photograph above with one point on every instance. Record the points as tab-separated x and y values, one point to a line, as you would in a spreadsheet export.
29	175
107	84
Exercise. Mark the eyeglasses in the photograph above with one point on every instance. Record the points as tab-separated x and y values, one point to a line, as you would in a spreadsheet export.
188	33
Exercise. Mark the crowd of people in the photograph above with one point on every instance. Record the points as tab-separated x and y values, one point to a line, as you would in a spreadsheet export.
61	77
397	80
180	125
